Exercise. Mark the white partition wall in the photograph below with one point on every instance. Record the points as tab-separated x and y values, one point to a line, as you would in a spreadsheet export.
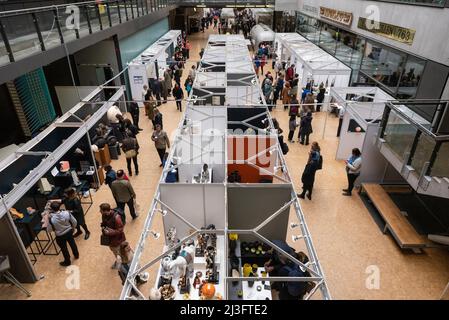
151	62
227	126
312	63
200	204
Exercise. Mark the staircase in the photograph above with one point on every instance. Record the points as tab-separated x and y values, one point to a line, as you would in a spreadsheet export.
416	148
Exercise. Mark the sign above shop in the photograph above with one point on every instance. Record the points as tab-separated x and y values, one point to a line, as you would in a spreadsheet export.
338	16
386	30
310	9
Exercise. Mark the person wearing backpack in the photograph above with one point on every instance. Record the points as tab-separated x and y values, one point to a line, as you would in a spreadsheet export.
308	175
112	229
123	192
130	147
63	223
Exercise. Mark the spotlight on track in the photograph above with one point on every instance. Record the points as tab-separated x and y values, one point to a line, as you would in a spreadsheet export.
293	225
296	238
163	212
156	235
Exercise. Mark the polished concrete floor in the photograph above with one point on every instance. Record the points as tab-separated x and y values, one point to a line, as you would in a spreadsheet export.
358	260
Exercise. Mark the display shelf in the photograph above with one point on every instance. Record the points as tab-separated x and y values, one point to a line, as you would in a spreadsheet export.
251	293
236	286
199	264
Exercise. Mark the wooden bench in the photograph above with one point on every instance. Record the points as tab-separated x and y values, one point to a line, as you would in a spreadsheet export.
398	225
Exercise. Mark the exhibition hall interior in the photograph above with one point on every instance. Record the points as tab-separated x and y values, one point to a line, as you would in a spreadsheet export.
224	150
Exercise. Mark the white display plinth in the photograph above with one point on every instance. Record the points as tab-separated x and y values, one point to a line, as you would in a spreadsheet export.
251	293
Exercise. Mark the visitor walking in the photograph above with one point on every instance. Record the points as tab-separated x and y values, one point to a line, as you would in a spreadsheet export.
308	176
130	147
178	94
292	125
305	128
353	167
320	96
135	114
112	229
124	194
161	142
62	223
73	204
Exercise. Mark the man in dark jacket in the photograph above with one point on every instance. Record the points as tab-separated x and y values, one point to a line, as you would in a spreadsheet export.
308	179
135	113
306	128
112	227
158	118
123	193
179	95
157	90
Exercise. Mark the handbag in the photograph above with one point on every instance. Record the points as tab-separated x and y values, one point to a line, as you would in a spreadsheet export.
105	240
131	153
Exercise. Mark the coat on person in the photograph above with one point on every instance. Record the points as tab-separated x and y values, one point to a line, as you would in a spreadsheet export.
168	80
286	94
306	124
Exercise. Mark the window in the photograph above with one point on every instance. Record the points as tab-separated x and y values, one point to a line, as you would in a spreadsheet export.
383	64
410	78
350	49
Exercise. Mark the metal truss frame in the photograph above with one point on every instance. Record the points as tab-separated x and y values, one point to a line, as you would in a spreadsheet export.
314	267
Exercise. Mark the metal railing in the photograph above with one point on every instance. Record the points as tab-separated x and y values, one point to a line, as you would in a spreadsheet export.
28	31
421	144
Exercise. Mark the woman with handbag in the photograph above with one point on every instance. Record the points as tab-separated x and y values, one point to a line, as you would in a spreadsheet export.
73	204
130	147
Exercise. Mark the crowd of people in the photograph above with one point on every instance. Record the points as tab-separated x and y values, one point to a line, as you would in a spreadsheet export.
242	22
68	223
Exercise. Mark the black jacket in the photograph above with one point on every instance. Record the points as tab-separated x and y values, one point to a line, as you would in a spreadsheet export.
178	93
306	124
308	176
158	119
134	109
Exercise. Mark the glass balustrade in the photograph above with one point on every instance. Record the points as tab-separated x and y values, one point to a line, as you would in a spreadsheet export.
399	134
27	32
422	153
440	167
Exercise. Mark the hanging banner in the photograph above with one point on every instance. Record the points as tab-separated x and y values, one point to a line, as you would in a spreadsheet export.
386	30
338	16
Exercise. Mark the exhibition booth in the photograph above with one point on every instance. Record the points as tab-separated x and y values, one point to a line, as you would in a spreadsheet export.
313	64
58	158
152	62
261	33
363	109
227	203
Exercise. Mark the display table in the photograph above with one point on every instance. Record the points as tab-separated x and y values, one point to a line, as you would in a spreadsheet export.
199	264
251	293
210	177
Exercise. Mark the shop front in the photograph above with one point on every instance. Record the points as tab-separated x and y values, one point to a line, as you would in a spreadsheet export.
401	74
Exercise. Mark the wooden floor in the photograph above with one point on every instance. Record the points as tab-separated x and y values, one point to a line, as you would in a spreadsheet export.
348	242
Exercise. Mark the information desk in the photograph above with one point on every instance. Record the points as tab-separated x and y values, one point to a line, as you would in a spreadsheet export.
199	264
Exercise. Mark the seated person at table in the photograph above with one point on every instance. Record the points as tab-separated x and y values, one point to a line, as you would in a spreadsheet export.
277	261
295	290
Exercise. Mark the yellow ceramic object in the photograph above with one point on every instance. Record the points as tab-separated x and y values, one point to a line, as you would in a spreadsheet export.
247	269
